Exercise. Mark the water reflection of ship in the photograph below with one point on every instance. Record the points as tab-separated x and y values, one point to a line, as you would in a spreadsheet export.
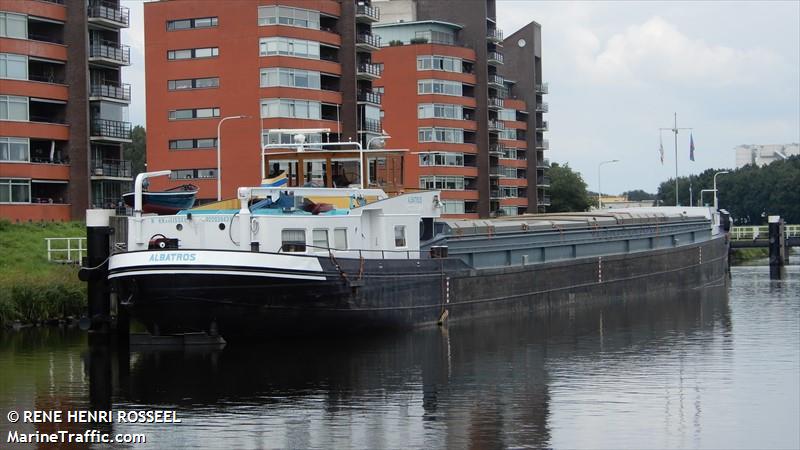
481	384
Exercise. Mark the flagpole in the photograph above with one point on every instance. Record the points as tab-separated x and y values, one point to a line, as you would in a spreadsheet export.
675	130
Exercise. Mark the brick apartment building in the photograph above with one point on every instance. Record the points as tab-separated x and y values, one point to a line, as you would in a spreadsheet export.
284	64
467	103
63	108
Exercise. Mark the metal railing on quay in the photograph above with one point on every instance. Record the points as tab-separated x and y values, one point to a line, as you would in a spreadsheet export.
69	250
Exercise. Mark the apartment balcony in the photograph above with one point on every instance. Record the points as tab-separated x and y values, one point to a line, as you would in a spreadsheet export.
108	14
369	97
543	181
496	194
111	130
496	80
542	126
495	103
370	126
111	168
542	107
369	42
543	200
496	150
49	38
109	54
496	126
543	164
543	144
497	171
494	35
367	14
542	89
111	92
368	71
494	58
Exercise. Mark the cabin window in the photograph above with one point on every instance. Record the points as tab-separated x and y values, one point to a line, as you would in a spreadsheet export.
293	240
320	238
340	239
399	235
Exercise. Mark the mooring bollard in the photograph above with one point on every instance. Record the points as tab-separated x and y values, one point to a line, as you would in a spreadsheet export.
95	273
776	246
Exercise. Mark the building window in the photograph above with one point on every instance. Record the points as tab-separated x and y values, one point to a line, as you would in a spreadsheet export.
13	25
440	111
188	24
453	207
15	149
507	114
193	83
442	87
437	37
274	137
293	240
193	174
290	108
192	144
298	48
509	210
285	15
441	159
319	239
508	133
399	236
446	135
509	192
192	53
296	78
15	190
340	238
509	153
443	63
199	113
13	66
442	182
13	108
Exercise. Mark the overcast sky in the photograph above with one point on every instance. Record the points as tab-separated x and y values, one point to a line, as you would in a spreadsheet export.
619	70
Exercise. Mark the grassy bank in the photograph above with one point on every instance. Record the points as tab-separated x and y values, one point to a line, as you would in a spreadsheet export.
31	288
741	255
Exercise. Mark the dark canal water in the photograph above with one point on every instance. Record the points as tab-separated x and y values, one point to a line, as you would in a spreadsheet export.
716	369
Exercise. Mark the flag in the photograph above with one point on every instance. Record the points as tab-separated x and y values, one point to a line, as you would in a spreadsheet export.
661	149
691	147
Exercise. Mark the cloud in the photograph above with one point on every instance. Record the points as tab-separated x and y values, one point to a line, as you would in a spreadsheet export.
656	51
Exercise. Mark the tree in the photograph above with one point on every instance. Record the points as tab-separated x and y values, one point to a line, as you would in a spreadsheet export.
638	195
136	151
567	190
750	193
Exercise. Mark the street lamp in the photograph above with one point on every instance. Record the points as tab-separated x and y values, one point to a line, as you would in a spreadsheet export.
381	137
219	150
599	189
715	187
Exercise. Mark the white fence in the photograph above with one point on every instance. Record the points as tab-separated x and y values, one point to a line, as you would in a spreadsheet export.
762	232
66	250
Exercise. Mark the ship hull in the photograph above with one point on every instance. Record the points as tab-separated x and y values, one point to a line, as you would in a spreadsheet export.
320	295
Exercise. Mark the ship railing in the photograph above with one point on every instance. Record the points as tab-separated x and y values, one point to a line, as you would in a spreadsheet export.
332	252
67	250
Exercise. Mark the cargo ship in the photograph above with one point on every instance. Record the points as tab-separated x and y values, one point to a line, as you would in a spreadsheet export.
293	260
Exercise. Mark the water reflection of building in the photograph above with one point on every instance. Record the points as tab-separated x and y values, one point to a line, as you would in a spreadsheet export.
487	383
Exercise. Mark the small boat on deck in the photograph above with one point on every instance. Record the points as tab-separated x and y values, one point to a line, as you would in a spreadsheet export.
166	202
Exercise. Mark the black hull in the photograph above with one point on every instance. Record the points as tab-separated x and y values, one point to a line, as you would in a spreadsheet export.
384	295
